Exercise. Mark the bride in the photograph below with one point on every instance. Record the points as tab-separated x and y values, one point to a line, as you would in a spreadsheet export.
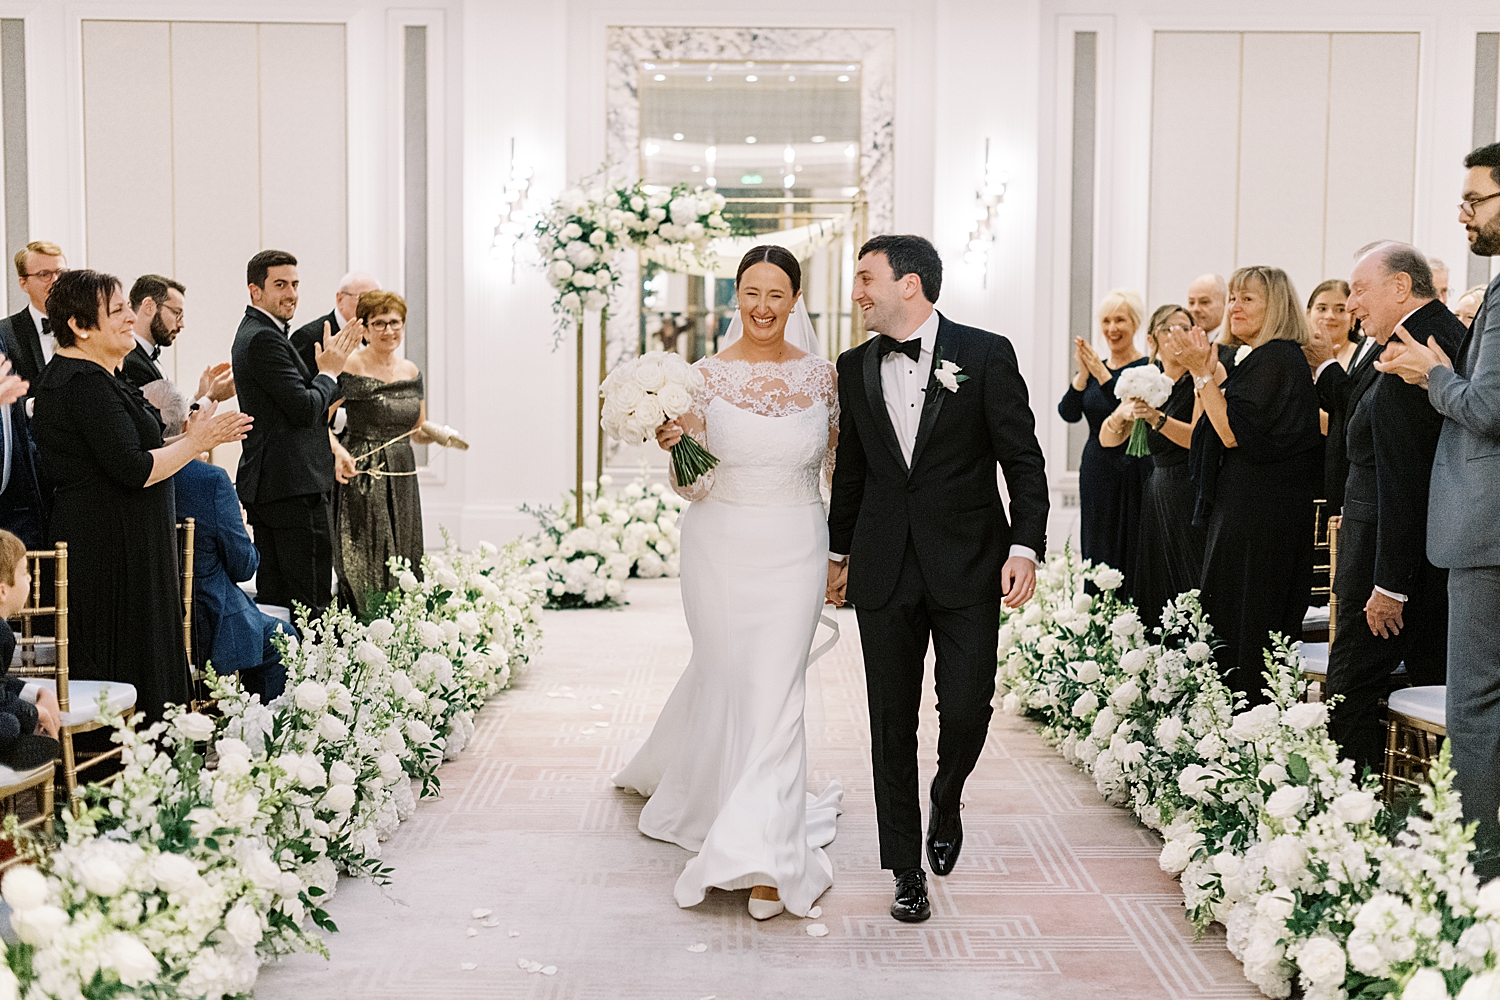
725	767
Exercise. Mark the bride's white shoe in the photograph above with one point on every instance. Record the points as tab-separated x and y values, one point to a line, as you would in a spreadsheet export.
765	909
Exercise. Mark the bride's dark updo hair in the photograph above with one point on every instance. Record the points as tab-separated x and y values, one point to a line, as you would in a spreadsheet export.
779	256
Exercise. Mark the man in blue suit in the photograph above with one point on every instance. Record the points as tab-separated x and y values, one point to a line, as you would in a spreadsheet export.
232	631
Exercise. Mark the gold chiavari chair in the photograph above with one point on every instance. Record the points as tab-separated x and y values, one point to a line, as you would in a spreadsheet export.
42	779
1416	725
186	544
1315	654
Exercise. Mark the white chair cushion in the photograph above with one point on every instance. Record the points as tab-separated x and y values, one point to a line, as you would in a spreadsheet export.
1316	617
10	778
1315	657
1430	703
83	698
276	611
46	653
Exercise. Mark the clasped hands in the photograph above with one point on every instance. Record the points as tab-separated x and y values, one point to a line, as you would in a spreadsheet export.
1017	581
1411	361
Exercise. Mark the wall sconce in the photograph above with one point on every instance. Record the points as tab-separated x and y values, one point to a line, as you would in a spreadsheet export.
511	224
987	202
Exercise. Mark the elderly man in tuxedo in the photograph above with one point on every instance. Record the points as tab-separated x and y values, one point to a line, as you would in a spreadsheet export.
27	335
345	300
1463	517
1392	602
286	468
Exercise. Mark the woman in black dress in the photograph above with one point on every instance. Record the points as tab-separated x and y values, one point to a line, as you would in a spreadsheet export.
101	447
1256	462
1329	320
1109	481
1169	556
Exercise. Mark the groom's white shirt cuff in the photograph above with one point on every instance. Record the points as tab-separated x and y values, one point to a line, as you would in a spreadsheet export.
1024	551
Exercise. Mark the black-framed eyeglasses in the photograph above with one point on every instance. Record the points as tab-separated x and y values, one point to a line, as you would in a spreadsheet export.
1468	205
47	275
381	325
173	310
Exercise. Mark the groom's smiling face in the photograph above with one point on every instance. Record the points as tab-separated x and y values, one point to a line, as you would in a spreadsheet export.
881	296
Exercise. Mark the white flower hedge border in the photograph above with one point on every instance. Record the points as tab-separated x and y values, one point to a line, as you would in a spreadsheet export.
182	878
1316	884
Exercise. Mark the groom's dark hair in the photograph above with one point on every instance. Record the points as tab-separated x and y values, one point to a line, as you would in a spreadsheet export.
910	255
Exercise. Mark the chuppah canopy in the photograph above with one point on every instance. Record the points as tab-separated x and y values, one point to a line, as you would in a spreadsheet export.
725	252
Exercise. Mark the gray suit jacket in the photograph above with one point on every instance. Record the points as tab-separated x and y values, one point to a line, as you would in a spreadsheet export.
1463	518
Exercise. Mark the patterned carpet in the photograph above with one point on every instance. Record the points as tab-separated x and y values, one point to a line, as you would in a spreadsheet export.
1056	895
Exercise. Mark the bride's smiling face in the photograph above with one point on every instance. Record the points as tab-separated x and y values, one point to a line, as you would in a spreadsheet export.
766	300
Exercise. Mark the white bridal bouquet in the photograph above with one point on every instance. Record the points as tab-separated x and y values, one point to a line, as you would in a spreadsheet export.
1151	386
642	393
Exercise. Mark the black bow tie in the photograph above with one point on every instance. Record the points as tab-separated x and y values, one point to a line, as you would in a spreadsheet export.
912	347
155	352
47	326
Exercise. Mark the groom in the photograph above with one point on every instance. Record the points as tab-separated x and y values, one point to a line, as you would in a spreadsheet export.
918	534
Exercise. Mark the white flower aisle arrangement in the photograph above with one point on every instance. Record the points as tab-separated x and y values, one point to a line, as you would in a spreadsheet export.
1264	823
642	393
1151	386
180	879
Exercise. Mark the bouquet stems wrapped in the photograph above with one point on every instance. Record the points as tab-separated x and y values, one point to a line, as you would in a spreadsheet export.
1139	446
690	460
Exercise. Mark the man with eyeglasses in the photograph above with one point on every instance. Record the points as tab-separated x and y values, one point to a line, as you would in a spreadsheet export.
27	335
1463	529
160	315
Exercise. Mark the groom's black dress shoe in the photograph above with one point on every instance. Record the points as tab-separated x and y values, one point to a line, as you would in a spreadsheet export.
910	904
945	838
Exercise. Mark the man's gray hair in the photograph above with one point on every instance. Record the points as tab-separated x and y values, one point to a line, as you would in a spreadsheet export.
1403	258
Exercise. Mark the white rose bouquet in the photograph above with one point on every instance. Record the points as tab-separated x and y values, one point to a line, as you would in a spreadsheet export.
642	393
1151	386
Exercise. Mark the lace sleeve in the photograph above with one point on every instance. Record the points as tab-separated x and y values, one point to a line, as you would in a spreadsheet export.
830	391
695	425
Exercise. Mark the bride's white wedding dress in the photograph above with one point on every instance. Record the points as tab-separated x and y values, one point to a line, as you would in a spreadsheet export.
725	767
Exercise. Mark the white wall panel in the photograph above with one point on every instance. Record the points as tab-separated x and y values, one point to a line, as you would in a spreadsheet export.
127	105
1372	144
1194	156
1283	153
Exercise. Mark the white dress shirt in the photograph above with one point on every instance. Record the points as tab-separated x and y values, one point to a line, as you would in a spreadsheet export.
47	341
903	382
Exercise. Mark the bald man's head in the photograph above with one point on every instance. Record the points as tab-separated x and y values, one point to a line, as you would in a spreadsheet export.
355	284
1206	297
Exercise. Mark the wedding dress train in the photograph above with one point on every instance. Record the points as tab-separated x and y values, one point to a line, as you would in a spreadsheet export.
725	767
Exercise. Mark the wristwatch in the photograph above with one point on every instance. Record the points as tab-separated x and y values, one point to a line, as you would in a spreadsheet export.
1160	423
1199	381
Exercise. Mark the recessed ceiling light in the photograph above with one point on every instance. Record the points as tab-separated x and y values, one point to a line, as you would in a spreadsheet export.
652	149
850	151
843	78
708	79
791	79
750	139
711	181
789	155
650	65
820	138
790	180
751	78
659	77
677	136
711	153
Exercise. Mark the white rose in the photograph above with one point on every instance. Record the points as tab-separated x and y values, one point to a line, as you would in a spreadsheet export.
389	764
369	654
1305	715
406	579
1107	578
1485	986
24	888
10	986
1085	705
560	270
1427	984
468	623
675	399
1255	724
332	728
1104	725
243	924
339	798
311	696
1125	695
37	926
1167	732
415	699
400	684
418	731
310	773
447	578
1360	807
1011	704
583	279
1275	905
130	958
1287	801
194	726
430	634
1134	661
1272	774
231	747
649	374
172	872
1175	855
380	631
101	876
340	773
598	238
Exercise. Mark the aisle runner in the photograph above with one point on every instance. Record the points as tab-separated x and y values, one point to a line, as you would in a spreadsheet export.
1056	895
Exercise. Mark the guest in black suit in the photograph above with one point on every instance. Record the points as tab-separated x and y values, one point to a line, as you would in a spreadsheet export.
1109	481
1169	555
27	335
160	316
929	550
286	469
345	301
102	448
1393	603
1256	461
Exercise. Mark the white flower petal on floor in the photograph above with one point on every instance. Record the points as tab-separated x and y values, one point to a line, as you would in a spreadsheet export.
468	966
471	932
817	930
507	933
481	913
698	949
598	708
815	913
549	970
522	964
534	967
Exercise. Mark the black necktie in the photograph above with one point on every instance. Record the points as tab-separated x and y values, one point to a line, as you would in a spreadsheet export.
155	353
912	347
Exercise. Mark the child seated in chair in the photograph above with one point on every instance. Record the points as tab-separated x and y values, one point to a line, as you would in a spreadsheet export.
29	715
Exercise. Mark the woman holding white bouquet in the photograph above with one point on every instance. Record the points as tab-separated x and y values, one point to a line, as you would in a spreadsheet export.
726	765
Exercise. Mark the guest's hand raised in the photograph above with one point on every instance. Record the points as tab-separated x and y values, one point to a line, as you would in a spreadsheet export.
12	387
333	354
1193	350
1320	348
216	382
668	434
1089	363
208	429
1411	361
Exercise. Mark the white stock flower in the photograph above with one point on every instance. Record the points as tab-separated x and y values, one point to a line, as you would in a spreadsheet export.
340	798
243	924
1427	984
24	888
1360	807
311	696
1198	651
380	631
1287	801
130	958
10	987
194	726
1305	715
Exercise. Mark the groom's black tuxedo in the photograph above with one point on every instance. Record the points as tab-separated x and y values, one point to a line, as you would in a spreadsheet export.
926	545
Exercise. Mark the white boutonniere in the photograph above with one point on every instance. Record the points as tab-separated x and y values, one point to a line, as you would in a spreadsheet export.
1242	353
948	373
